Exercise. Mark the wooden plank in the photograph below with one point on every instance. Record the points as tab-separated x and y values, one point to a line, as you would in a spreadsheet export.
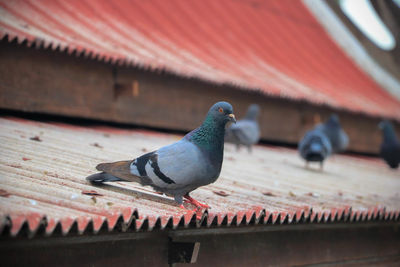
391	260
294	248
37	80
316	247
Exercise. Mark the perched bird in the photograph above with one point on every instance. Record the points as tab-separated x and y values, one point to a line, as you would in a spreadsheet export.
181	167
390	148
315	147
246	131
337	136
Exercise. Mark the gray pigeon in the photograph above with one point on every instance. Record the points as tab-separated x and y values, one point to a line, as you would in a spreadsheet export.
246	131
181	167
390	148
332	129
315	147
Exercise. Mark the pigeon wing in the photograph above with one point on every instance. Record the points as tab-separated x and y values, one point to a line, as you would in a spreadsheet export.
179	165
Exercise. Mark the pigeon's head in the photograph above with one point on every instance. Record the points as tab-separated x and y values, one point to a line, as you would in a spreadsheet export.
222	112
333	121
385	126
253	111
388	131
389	134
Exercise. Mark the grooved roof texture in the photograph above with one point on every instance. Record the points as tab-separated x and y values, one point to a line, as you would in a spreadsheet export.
43	188
276	46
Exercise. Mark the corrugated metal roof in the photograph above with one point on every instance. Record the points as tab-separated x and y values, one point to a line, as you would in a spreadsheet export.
42	184
274	46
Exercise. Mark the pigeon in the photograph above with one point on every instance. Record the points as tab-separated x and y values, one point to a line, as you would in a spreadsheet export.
181	167
332	129
246	131
315	146
390	148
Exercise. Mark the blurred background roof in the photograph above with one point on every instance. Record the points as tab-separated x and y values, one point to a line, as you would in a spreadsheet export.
276	47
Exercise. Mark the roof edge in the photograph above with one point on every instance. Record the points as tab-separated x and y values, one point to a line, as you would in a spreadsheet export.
34	225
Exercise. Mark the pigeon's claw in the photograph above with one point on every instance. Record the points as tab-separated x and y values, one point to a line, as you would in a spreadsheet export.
189	211
195	202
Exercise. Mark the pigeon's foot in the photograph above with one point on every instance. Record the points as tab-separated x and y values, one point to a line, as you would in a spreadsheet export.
249	149
195	202
307	165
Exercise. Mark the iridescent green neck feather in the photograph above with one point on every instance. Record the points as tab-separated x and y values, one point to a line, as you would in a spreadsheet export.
210	135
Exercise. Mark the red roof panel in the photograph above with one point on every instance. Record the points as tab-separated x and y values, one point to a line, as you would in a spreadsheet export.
274	46
43	186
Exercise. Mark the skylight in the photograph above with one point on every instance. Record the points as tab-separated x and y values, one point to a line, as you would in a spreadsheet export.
364	16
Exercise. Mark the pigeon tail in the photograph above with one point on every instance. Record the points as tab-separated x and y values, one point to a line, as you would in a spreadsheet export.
102	177
315	157
115	171
315	152
316	147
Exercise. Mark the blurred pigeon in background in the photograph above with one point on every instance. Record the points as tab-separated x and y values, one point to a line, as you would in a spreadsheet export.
246	131
315	147
390	148
337	137
181	167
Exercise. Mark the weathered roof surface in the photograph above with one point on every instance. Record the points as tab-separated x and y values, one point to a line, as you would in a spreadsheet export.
42	184
274	46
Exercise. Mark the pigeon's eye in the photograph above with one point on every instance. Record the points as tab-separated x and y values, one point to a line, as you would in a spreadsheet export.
220	110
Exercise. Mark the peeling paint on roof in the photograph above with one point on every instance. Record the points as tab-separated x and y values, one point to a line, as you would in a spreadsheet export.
48	193
276	47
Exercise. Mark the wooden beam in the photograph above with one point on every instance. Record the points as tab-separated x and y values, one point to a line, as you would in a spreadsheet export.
374	244
45	81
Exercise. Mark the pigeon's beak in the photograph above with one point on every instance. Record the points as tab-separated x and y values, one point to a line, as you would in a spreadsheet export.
232	117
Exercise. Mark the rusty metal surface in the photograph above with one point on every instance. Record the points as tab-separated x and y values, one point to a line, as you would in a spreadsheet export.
42	185
276	47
